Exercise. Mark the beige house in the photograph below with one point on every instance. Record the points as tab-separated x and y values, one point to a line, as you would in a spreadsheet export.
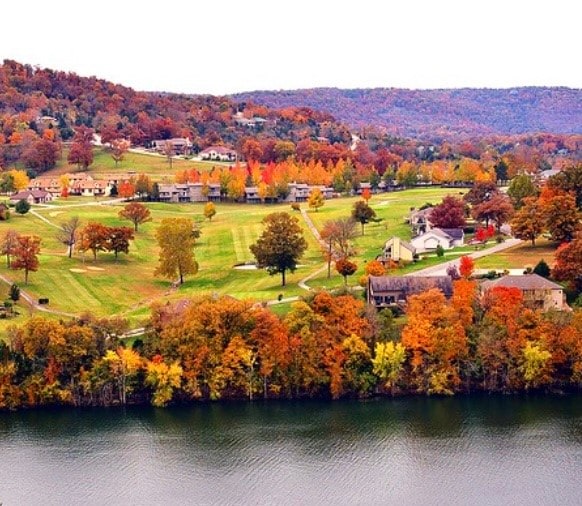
32	197
538	292
397	250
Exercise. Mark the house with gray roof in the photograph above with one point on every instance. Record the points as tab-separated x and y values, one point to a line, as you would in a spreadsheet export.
447	238
538	292
392	291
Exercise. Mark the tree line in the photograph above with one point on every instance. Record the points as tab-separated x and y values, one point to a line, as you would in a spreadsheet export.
327	346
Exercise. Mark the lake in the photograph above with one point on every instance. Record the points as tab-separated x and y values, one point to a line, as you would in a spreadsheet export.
453	451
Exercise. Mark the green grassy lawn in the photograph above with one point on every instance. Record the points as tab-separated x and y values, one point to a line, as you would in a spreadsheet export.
520	256
391	209
156	166
128	286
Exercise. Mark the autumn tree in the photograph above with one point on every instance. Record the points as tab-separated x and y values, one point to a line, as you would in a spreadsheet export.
136	213
520	188
497	209
366	195
163	378
363	213
118	149
346	268
281	244
569	180
126	190
209	210
81	151
124	364
176	239
42	155
528	221
26	255
143	186
8	244
568	266
388	363
20	179
466	266
67	235
118	239
93	236
481	191
436	340
338	236
450	213
316	199
562	217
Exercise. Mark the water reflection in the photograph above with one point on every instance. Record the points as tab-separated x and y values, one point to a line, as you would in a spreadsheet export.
478	450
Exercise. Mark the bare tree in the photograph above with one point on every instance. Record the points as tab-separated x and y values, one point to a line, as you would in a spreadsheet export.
68	233
169	152
338	235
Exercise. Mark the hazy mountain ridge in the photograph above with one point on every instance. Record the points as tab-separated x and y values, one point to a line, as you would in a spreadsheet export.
463	112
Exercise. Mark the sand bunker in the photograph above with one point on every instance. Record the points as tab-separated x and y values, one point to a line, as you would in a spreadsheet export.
77	270
55	213
246	267
95	269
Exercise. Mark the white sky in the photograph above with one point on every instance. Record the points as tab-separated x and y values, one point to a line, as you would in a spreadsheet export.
226	46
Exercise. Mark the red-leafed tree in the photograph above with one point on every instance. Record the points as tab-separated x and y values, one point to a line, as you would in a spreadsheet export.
568	266
126	190
450	213
497	209
81	152
466	266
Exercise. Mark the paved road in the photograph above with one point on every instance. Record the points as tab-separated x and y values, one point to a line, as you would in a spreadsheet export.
441	269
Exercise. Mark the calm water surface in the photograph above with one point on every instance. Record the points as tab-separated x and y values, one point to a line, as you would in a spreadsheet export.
462	451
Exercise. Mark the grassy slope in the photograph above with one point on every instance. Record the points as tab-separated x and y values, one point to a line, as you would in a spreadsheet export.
154	165
520	257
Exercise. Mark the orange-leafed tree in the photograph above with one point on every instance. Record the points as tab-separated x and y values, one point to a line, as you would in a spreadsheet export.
136	213
436	340
271	339
528	221
366	194
26	254
94	237
346	268
126	190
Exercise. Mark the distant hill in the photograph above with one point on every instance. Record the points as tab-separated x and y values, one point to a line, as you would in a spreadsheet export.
439	114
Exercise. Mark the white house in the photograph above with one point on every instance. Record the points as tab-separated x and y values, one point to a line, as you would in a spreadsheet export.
447	238
219	153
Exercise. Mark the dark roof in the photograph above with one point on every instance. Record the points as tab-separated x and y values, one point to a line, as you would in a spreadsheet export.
410	284
26	193
523	282
455	233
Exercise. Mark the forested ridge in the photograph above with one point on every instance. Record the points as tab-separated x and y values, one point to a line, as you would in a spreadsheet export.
442	113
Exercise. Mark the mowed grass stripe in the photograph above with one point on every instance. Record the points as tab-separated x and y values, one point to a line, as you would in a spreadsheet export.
237	244
71	291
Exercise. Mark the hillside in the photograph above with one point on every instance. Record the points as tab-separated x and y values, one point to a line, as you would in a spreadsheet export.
438	114
33	99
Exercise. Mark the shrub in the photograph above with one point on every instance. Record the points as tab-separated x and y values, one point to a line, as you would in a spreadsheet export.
440	251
